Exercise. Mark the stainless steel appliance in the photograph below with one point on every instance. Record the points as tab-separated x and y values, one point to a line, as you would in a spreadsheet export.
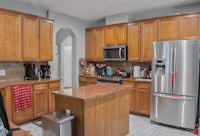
109	79
115	53
45	71
175	83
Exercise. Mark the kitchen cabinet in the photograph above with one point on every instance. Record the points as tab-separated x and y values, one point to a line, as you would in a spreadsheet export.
94	44
115	34
6	95
90	45
40	99
30	38
189	27
167	28
10	36
23	115
46	40
139	97
134	42
148	35
84	80
53	86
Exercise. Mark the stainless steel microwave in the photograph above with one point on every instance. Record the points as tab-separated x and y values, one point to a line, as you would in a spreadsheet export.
115	53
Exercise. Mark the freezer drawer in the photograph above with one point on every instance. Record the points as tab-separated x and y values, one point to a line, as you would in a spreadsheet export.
173	110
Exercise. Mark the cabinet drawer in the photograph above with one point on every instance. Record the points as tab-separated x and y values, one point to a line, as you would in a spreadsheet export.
54	84
40	86
130	83
83	79
92	80
143	85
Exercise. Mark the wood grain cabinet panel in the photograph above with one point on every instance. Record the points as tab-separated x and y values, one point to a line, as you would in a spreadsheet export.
10	36
46	40
40	99
189	27
121	34
53	86
30	38
134	42
83	80
167	28
148	35
90	45
110	35
99	43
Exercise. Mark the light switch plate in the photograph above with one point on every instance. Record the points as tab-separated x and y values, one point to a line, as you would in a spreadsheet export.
2	72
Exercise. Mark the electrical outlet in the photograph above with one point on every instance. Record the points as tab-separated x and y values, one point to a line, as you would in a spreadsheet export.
2	72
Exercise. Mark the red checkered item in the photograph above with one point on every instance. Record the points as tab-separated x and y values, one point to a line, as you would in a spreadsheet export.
21	97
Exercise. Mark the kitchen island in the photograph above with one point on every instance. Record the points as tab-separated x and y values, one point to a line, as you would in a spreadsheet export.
99	109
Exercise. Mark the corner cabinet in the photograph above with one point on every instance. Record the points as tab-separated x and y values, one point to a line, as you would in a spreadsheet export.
40	99
46	36
134	42
10	36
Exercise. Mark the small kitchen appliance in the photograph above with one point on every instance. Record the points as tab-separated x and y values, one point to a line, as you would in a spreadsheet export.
45	71
30	72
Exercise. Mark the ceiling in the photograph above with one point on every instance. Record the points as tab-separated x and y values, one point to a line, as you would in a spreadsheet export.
93	10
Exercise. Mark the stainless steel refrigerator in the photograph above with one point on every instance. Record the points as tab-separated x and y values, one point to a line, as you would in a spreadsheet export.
175	83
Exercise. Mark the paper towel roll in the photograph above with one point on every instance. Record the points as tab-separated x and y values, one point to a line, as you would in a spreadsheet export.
136	70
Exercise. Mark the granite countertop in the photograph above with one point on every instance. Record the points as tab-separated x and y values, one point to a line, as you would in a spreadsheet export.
92	91
6	83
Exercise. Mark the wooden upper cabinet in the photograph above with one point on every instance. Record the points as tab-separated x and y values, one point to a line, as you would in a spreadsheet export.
189	27
90	47
121	34
10	36
134	42
167	28
148	35
30	38
46	40
99	43
116	34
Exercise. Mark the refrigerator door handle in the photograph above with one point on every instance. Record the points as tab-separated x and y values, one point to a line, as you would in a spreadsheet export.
171	78
174	97
174	74
174	79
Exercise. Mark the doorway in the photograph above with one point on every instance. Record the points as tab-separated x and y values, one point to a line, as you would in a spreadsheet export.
67	58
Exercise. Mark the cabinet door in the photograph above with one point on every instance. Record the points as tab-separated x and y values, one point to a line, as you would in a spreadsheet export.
189	27
142	101
167	29
134	42
10	36
6	94
30	38
46	45
110	35
40	96
148	35
99	43
120	33
90	45
53	86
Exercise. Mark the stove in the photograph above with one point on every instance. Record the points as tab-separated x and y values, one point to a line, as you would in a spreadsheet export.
109	79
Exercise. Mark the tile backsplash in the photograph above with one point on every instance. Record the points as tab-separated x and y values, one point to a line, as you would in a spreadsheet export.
14	70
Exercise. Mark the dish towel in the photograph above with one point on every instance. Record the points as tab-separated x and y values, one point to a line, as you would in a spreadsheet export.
21	97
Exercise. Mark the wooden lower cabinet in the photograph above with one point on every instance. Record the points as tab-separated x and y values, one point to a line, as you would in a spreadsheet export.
83	80
53	86
139	97
6	94
40	96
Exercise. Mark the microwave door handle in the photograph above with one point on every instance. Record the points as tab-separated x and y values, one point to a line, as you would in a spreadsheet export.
120	53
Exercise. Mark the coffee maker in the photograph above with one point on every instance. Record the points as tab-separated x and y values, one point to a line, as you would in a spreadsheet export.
45	71
30	72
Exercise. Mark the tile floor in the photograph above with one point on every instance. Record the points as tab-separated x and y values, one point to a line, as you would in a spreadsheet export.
139	126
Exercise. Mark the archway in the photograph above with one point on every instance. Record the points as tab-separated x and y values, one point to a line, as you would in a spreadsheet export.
67	58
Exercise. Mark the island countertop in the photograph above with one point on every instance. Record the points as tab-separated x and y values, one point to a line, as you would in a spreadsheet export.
92	91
